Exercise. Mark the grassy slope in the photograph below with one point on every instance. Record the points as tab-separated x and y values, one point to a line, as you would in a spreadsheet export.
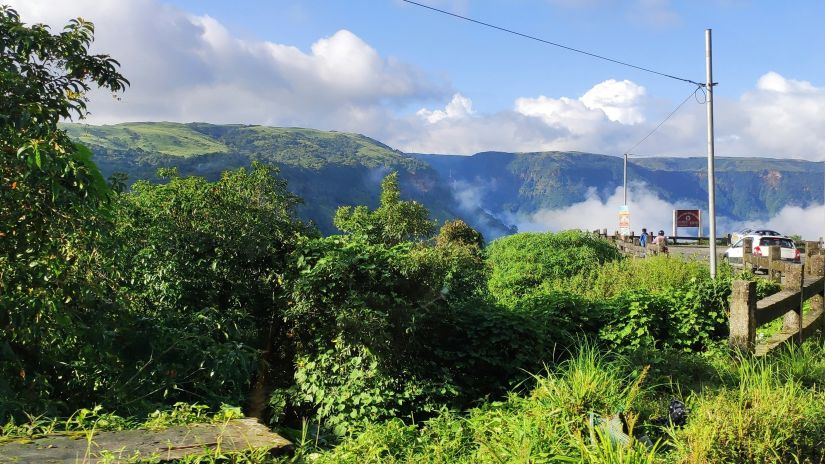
327	169
164	138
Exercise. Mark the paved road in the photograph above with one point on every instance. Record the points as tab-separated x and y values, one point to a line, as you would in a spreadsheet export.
702	252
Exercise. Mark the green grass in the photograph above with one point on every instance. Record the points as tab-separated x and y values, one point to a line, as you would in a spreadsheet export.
746	410
164	138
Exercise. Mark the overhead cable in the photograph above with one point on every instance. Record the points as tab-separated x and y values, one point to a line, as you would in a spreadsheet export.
664	120
527	36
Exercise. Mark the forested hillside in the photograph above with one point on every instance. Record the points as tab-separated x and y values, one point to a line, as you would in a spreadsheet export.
522	183
326	169
488	190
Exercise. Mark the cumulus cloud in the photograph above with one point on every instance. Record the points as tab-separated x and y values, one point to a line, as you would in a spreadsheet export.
619	100
783	117
185	67
596	121
459	107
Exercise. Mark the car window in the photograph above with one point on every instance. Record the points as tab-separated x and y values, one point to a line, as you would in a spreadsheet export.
781	241
767	232
738	244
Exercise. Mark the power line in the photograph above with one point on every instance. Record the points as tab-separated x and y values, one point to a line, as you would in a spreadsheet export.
527	36
664	120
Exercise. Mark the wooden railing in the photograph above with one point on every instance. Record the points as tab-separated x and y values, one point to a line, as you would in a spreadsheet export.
801	283
629	246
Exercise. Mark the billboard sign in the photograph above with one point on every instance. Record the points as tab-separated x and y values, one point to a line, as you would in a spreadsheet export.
688	218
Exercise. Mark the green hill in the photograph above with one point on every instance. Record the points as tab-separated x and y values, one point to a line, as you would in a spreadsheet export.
329	169
326	169
523	183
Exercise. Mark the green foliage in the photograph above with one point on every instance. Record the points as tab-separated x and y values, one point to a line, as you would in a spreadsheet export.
746	411
408	326
395	221
202	266
51	216
528	263
654	273
457	232
689	318
544	426
768	418
360	319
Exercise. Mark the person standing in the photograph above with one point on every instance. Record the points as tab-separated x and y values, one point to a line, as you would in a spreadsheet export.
643	238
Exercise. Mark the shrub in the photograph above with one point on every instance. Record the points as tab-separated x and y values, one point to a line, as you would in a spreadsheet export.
409	322
529	263
544	426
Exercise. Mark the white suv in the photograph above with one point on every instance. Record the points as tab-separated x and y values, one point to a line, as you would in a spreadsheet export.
740	234
788	251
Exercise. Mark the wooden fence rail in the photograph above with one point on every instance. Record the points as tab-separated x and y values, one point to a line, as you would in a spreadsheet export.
801	283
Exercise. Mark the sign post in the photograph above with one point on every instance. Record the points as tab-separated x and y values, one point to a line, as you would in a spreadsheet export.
687	218
624	221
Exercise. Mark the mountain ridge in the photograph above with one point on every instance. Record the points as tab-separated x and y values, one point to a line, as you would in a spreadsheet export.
488	189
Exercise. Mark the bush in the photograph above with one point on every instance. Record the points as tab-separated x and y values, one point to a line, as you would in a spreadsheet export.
530	263
549	424
409	323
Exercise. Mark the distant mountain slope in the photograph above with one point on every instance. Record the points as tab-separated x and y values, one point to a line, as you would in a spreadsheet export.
326	169
329	169
153	137
522	183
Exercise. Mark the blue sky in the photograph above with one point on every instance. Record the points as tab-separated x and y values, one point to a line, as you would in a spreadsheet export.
421	81
493	68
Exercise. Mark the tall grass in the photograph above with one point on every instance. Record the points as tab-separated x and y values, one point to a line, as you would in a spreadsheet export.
745	410
653	273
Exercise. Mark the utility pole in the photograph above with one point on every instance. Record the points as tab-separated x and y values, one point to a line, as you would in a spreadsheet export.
711	170
625	179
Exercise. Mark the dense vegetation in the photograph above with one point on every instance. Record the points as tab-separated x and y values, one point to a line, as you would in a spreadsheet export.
394	340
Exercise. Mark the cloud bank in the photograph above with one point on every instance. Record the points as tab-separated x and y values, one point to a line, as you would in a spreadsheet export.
654	213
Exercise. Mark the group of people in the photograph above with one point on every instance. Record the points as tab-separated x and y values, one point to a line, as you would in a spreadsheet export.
659	239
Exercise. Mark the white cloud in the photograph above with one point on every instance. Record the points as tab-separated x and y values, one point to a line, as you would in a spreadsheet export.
459	107
783	117
649	210
808	222
185	67
646	210
618	99
565	113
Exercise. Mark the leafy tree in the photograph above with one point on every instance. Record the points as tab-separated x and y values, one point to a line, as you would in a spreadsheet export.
202	265
50	193
395	221
457	232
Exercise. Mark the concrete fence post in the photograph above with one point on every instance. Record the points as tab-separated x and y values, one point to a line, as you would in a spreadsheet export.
817	269
794	280
743	316
774	257
747	251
